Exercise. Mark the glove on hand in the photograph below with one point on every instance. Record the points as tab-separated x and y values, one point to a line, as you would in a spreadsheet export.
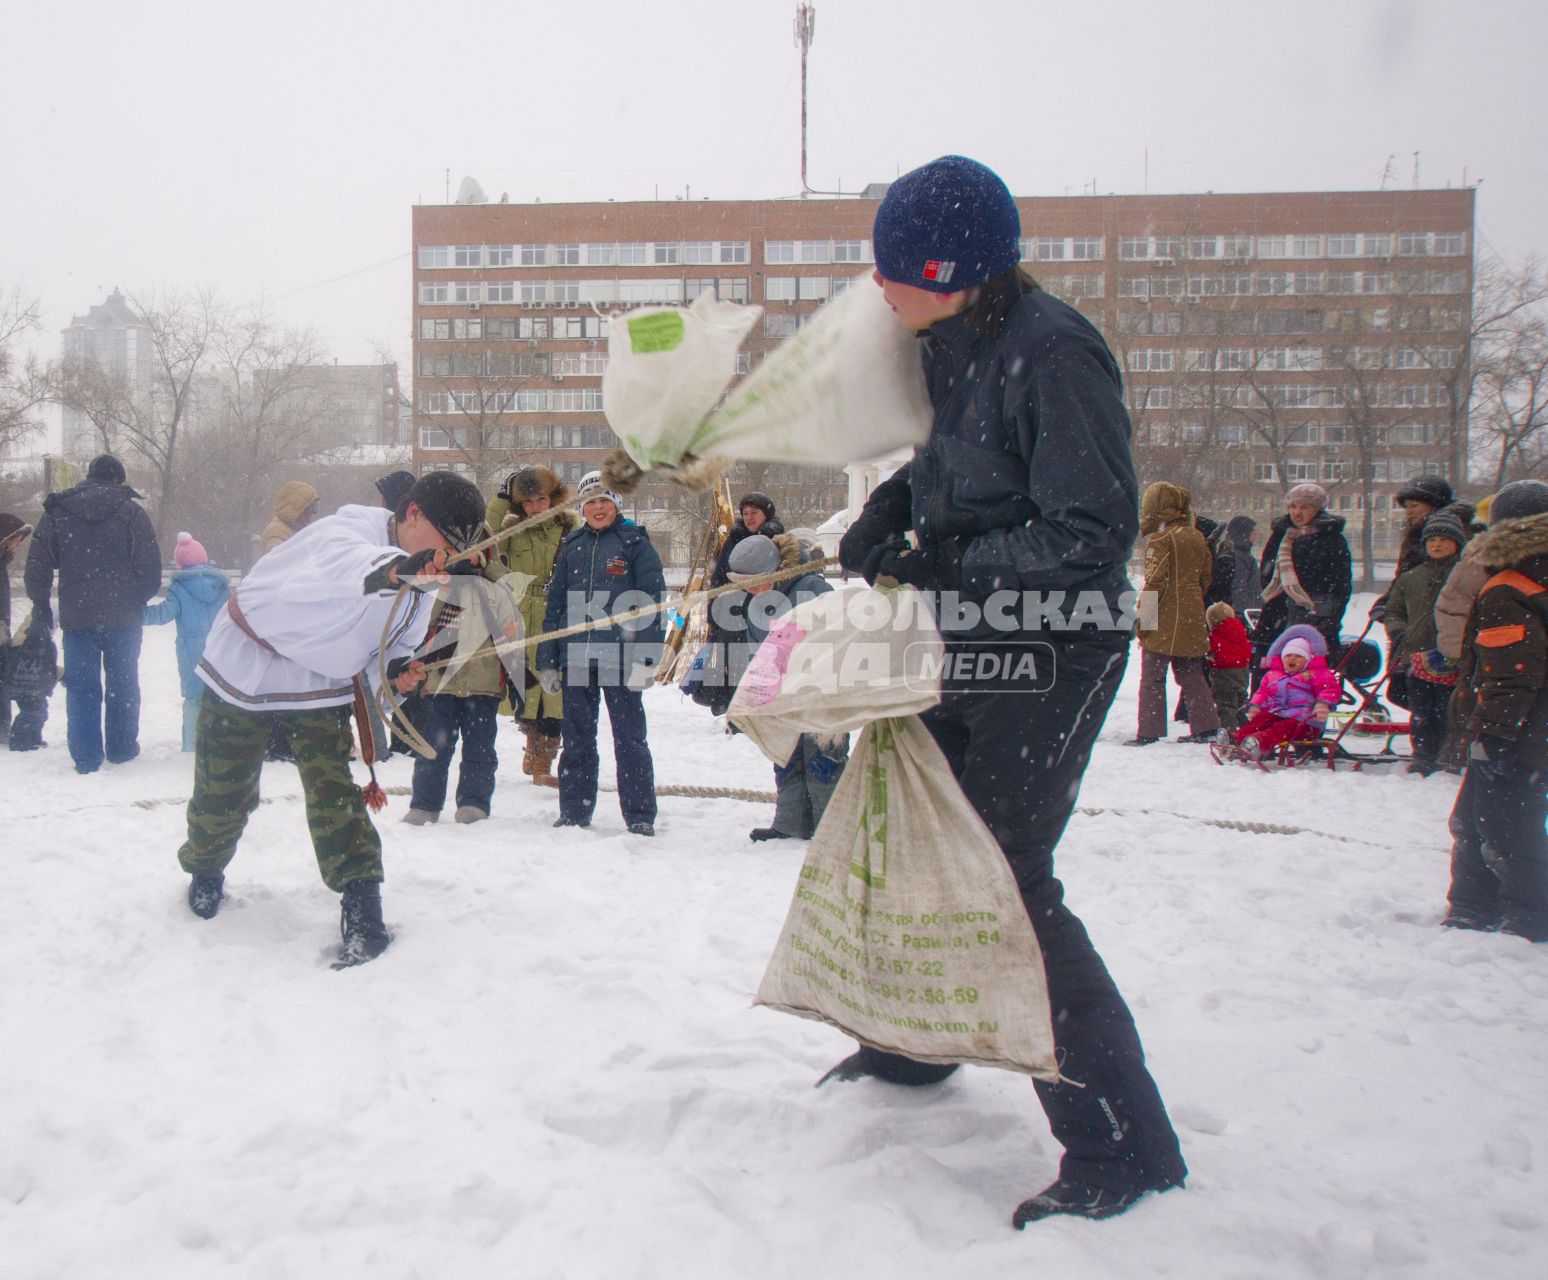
397	573
888	512
550	681
406	674
934	568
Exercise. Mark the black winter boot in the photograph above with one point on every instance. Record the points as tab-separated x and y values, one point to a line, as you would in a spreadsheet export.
204	895
1077	1199
360	921
894	1068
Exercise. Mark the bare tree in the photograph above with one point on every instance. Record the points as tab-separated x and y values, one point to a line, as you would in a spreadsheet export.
1511	415
149	420
23	388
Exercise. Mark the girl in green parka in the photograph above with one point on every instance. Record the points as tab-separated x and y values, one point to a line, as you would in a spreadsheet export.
527	493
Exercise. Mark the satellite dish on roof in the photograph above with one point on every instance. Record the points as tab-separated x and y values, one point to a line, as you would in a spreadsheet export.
470	192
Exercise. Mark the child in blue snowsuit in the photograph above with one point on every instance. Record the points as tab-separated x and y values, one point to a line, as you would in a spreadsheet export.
196	593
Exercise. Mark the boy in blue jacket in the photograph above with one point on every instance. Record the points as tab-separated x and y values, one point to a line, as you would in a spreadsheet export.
606	566
196	593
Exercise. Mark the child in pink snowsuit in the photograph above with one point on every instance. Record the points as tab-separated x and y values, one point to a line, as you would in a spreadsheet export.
1295	698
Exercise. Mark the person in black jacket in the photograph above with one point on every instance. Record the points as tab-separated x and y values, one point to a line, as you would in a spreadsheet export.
1025	489
13	532
1246	589
1307	572
755	515
100	542
606	566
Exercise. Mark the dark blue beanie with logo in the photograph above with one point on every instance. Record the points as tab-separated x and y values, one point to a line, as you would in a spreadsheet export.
947	225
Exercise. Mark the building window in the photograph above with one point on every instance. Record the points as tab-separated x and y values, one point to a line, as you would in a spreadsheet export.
435	330
850	251
1203	247
1305	246
780	325
500	291
468	255
633	255
499	255
779	251
1086	248
1413	244
1237	246
1273	246
601	255
699	252
815	251
1049	249
1264	472
433	294
567	255
467	291
779	289
1345	246
1378	246
733	251
1450	244
666	255
432	256
534	255
813	288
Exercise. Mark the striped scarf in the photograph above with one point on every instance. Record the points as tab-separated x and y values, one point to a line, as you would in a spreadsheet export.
1285	582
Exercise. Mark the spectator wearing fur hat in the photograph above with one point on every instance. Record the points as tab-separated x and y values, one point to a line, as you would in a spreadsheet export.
102	545
1230	658
1410	622
14	531
1178	570
606	566
195	594
804	783
1499	860
527	493
295	507
1307	571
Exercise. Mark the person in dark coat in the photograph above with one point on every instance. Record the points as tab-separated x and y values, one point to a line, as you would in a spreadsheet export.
1223	568
29	668
1307	571
1410	624
1246	589
100	542
606	566
1499	858
755	515
13	532
1025	487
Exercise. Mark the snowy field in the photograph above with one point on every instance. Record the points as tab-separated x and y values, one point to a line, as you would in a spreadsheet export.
556	1070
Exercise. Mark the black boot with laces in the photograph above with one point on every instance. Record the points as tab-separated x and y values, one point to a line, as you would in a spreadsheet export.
360	921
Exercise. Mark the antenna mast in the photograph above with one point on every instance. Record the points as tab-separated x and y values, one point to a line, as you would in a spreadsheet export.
805	29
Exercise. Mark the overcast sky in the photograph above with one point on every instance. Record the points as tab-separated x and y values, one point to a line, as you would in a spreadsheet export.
277	147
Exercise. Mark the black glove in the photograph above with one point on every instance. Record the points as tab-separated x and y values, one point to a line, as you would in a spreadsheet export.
403	568
937	567
888	512
462	568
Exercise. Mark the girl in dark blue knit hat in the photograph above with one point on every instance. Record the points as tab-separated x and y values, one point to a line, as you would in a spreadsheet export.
1025	488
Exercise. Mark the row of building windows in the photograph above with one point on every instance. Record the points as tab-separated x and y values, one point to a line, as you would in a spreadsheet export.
1158	321
1403	244
1292	396
545	437
434	257
1281	284
505	328
1286	359
505	364
487	400
1307	433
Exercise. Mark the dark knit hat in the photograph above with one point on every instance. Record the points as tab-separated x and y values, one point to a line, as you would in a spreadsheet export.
393	486
1240	526
947	225
1446	524
1517	499
1431	489
106	469
449	502
752	557
759	501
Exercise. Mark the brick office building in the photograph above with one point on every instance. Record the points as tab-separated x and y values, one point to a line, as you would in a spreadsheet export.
1266	339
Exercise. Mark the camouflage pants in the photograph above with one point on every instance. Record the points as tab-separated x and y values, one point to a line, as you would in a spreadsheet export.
228	758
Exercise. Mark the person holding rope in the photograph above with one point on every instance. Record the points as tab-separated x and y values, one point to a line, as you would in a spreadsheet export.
601	568
1025	488
311	615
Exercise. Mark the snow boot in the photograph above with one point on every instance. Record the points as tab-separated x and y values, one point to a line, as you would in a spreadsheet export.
1141	740
421	817
537	760
470	813
562	821
1077	1199
1203	735
360	923
204	895
894	1068
642	828
759	834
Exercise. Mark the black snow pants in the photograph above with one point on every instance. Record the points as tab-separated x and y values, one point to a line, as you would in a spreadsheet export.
1019	751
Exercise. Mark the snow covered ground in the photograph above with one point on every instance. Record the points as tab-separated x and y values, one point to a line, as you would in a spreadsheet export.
556	1070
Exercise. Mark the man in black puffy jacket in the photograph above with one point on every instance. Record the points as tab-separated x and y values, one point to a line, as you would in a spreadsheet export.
1023	503
102	545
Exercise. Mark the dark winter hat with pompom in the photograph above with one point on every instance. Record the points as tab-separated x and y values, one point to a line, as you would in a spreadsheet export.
1518	499
106	469
1431	489
453	505
947	225
1446	524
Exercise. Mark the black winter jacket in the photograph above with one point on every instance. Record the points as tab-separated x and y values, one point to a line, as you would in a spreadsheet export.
101	543
1027	469
721	575
601	567
1323	564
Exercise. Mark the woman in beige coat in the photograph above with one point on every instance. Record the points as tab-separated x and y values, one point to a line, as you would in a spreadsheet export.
1178	570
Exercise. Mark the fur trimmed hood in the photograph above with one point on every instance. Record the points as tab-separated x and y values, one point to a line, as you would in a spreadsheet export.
1510	542
1166	503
